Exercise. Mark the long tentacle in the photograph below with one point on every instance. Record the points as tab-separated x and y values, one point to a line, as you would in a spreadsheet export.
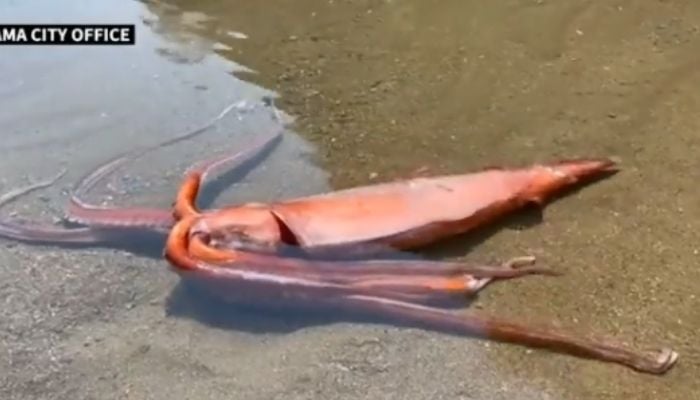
14	194
365	271
150	218
429	282
109	221
41	233
81	212
246	280
653	362
46	233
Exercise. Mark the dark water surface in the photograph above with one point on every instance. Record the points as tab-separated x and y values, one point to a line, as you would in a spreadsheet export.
377	89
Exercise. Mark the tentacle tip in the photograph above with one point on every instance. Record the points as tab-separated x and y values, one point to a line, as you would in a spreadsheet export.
664	361
520	262
667	359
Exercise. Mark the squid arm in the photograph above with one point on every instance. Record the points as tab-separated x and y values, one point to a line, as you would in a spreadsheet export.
104	224
381	291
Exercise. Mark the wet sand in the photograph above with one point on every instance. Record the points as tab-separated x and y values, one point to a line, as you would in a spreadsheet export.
378	88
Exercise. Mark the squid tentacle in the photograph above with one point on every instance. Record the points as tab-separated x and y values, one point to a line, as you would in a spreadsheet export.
21	191
103	223
654	362
152	218
376	269
247	278
41	233
81	212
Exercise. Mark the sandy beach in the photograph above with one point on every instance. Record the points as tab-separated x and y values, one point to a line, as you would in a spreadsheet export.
376	89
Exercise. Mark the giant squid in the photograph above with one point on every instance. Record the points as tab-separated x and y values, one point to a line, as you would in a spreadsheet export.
322	251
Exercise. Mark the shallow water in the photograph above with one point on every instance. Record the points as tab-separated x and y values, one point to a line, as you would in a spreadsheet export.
377	90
